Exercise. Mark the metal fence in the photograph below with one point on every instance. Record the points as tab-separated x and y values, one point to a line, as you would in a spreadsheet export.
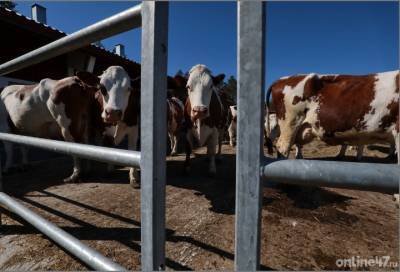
251	168
153	17
249	175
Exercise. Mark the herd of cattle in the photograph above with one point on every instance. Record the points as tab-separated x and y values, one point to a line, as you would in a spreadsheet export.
103	110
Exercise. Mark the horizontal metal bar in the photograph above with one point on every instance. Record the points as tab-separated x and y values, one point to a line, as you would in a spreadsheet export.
91	152
349	175
84	253
121	22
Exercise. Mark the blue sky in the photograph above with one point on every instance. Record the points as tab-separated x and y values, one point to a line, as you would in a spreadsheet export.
302	37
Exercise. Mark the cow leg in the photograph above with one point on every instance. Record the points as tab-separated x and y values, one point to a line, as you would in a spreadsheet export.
218	156
107	141
175	150
188	150
231	132
24	153
299	153
9	150
396	135
64	122
211	146
134	178
360	151
173	139
76	173
342	152
392	152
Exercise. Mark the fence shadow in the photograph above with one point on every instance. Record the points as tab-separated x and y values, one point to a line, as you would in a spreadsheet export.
312	197
364	159
219	190
128	236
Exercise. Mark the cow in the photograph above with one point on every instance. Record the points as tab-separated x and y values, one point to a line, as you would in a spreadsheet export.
205	113
116	111
125	121
271	133
56	109
227	101
175	109
233	125
337	109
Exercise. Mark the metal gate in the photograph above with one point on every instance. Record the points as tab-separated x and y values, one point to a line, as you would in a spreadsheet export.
251	168
153	17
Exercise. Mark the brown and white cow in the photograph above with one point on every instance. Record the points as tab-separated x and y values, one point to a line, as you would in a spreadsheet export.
205	113
338	109
272	132
121	118
51	109
175	112
233	125
116	111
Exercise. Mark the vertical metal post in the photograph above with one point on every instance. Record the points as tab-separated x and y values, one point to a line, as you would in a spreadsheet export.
1	189
153	133
251	16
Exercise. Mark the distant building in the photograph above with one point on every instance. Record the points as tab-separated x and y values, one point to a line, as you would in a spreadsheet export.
21	34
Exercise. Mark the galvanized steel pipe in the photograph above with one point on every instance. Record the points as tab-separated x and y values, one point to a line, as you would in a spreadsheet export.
121	22
375	177
91	152
84	253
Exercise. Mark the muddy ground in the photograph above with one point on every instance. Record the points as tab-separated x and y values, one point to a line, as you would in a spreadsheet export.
302	228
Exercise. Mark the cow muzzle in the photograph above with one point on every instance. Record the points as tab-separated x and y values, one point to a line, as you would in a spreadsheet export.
112	115
199	112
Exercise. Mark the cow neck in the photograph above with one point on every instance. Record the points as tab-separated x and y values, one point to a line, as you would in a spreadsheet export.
95	113
215	111
131	114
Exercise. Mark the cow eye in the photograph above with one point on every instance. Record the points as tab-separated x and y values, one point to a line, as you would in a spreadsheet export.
103	90
188	88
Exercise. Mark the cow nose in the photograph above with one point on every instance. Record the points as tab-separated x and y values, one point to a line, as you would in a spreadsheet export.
200	109
114	114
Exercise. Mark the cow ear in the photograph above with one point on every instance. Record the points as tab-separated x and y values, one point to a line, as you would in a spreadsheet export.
180	81
135	83
88	78
171	83
218	79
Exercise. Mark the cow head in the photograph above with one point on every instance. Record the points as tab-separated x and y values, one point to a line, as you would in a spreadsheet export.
200	86
115	87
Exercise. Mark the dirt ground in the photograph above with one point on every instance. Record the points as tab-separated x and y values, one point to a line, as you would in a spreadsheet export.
302	228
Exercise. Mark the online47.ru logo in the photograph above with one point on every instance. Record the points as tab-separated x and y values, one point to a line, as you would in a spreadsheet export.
359	262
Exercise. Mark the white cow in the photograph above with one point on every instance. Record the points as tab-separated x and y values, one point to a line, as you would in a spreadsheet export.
205	113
